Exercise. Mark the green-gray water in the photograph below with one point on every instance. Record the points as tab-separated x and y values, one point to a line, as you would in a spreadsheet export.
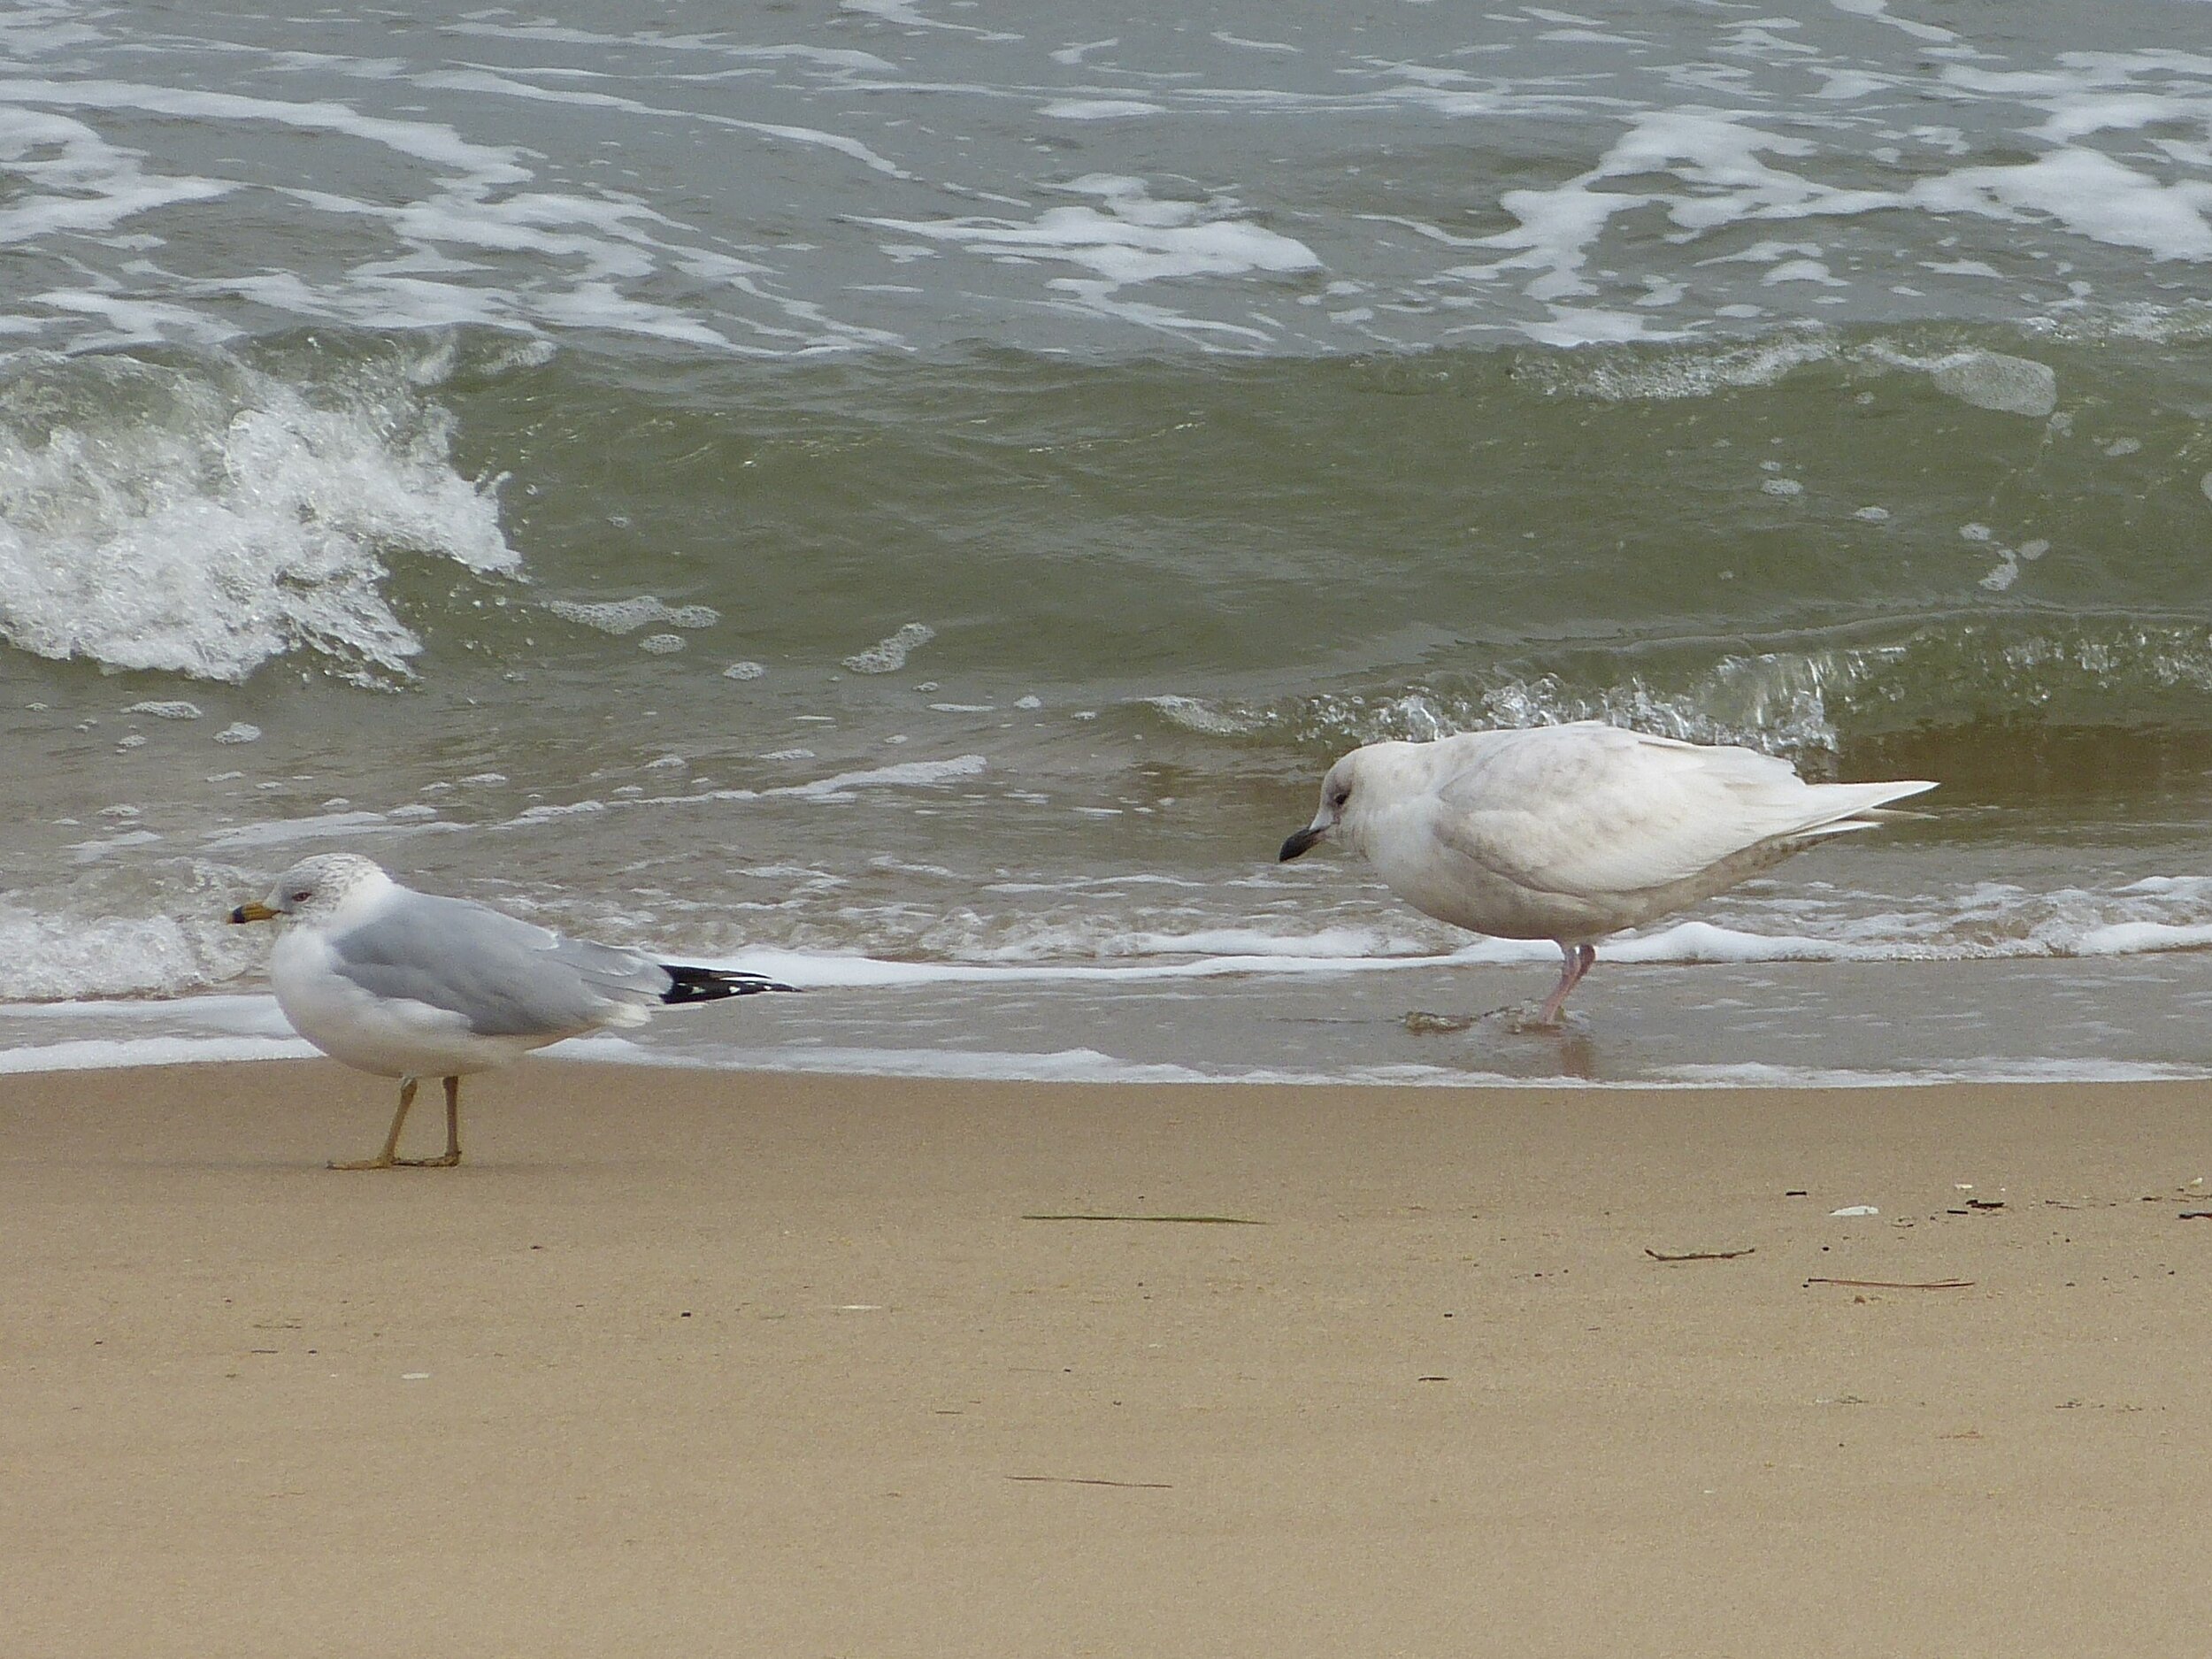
919	502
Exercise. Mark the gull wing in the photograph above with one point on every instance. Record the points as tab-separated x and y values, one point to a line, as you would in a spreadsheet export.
503	977
1592	810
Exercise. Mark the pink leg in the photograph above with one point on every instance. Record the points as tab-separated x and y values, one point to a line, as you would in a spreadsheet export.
1579	959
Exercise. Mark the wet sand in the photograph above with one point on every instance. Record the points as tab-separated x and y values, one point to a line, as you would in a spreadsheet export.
699	1363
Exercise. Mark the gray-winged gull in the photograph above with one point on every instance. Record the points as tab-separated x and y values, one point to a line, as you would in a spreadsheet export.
408	985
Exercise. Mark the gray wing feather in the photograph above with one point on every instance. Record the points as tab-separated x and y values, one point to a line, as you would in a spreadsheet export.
506	977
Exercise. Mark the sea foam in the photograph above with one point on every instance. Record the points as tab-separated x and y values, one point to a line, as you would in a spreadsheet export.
206	519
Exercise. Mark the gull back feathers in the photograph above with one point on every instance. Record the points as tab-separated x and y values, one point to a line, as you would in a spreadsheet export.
1573	832
503	976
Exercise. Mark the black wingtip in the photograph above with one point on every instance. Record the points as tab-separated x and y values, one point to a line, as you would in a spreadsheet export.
712	985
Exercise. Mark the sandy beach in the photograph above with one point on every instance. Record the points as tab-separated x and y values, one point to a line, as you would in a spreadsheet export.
683	1362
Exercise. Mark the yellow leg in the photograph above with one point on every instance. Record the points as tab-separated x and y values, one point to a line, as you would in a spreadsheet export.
452	1132
384	1160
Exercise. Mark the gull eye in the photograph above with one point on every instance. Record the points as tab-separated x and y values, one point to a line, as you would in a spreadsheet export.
302	895
1338	796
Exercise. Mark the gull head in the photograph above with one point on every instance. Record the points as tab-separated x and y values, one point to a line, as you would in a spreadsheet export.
1360	794
313	888
1338	791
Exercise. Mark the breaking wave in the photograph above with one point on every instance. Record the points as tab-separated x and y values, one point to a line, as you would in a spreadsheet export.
206	516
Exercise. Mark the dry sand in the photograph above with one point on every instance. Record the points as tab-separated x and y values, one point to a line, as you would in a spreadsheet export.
687	1363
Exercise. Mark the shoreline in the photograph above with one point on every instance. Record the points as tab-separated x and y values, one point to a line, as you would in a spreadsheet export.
712	1361
2120	1020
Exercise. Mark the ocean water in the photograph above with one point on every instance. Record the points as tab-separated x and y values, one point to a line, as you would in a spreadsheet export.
912	494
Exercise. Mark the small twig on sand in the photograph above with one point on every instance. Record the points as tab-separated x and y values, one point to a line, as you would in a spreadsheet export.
1893	1284
1699	1256
1092	1480
2196	1215
1196	1221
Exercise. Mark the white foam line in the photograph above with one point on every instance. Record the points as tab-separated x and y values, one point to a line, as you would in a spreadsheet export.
1994	1069
485	80
811	972
1091	1065
98	1053
1122	248
1072	1065
906	775
907	13
1879	12
831	58
463	213
1066	1065
1685	944
1098	108
837	788
134	322
52	216
322	826
424	141
234	1014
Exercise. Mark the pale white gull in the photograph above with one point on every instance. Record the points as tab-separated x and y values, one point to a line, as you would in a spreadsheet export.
408	985
1570	833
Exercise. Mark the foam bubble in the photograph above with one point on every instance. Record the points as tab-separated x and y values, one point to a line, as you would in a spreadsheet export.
1134	238
1660	374
1193	715
661	644
888	656
627	616
906	775
743	671
1097	109
172	709
1990	380
238	731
